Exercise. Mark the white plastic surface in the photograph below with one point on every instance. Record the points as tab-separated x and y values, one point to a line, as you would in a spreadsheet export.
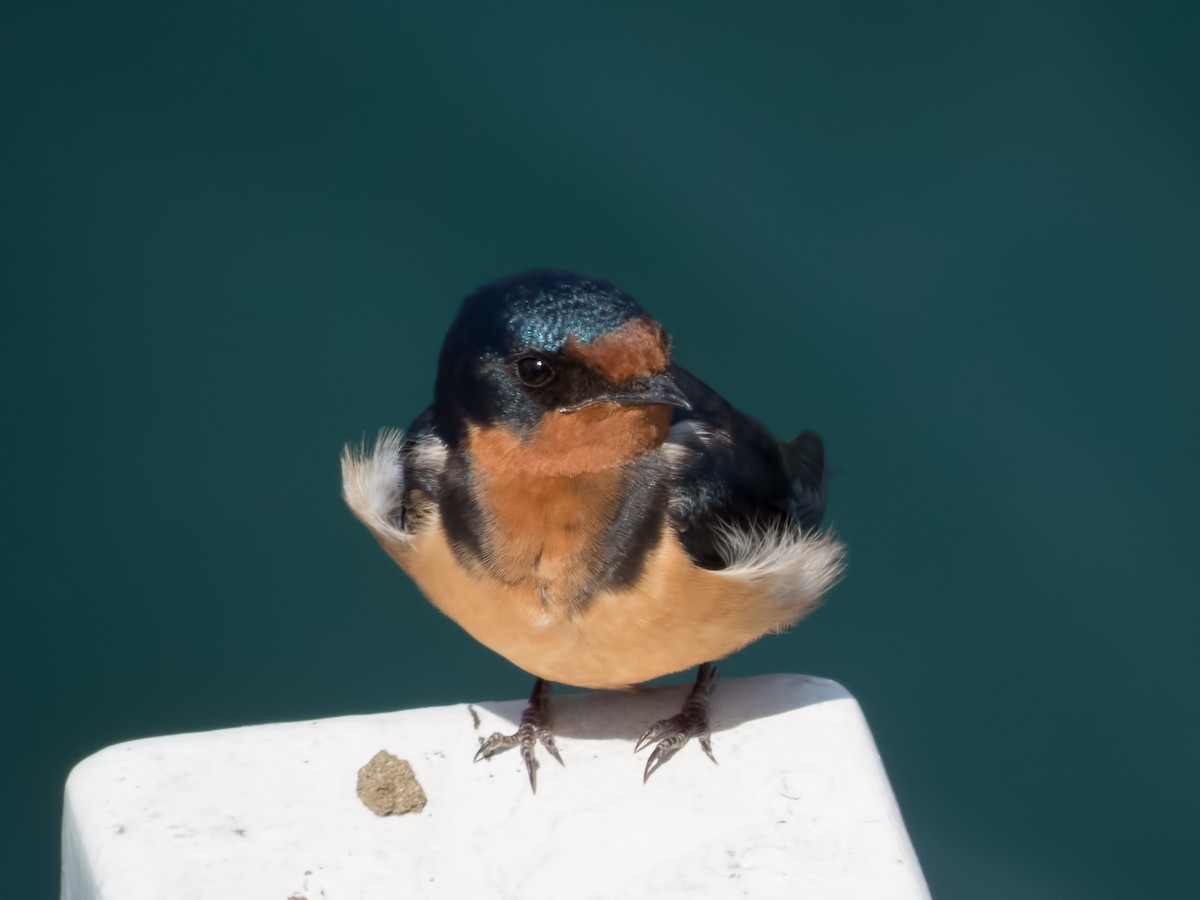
798	807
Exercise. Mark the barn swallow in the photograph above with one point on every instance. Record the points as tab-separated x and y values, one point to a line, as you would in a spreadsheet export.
590	510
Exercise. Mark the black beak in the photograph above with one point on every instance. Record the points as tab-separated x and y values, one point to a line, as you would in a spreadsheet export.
652	391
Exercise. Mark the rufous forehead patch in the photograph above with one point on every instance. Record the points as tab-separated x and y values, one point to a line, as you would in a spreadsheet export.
635	350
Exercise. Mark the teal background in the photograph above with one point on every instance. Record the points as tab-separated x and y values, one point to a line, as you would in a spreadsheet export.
959	240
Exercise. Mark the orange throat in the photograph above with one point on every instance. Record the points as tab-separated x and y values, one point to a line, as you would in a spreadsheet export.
593	439
548	500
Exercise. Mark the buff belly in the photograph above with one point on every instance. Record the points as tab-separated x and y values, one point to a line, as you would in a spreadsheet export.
676	616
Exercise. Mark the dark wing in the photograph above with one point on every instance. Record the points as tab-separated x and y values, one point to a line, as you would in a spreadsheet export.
729	471
423	459
804	458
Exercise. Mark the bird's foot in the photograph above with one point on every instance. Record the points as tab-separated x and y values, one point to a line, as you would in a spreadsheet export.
534	729
691	722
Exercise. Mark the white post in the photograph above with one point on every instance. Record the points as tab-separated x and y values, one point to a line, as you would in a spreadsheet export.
799	806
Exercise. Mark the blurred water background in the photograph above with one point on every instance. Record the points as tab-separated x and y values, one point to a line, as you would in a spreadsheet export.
959	240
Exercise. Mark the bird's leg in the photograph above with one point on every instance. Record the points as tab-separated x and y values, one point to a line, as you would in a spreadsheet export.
534	728
676	731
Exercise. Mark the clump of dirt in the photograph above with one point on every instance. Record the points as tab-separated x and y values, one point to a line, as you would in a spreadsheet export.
387	786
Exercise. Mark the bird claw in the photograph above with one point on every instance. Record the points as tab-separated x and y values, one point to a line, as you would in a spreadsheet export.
532	731
496	743
547	740
673	733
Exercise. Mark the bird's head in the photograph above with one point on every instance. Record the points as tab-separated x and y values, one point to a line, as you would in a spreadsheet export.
553	373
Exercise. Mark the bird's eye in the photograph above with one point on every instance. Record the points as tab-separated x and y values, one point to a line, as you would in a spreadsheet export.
534	372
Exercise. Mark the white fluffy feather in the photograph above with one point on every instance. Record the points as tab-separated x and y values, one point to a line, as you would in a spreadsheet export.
373	484
791	568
